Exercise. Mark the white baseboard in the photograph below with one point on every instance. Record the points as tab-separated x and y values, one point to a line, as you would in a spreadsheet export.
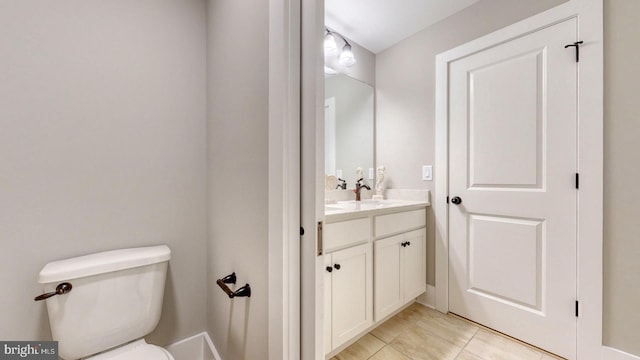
615	354
197	347
428	298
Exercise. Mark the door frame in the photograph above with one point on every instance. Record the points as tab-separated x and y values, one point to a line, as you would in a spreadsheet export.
312	179
284	326
590	152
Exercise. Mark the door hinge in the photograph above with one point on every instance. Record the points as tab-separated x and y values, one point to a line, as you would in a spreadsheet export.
577	308
319	238
577	46
577	181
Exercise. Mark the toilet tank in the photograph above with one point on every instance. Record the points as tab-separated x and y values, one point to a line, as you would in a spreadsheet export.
116	298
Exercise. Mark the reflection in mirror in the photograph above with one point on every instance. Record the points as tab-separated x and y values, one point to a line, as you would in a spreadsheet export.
349	117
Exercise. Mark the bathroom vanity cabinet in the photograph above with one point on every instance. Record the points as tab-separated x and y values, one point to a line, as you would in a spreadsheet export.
399	260
348	294
374	264
348	282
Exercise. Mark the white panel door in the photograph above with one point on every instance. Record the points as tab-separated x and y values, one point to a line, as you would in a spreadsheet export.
512	256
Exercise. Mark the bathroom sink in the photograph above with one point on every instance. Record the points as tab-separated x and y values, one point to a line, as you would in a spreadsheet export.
352	205
370	203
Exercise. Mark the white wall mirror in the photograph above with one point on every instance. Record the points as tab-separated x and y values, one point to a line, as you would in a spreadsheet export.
349	119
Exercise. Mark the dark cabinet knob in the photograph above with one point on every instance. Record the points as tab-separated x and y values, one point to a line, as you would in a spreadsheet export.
329	269
456	200
337	266
408	243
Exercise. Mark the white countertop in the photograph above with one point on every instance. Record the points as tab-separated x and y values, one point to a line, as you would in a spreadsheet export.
343	210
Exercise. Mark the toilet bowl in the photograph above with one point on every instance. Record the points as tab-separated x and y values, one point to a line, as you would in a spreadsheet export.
111	300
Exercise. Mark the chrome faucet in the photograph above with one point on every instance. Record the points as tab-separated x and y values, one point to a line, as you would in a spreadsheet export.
359	186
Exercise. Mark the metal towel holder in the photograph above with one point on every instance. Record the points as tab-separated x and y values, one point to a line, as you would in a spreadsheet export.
244	291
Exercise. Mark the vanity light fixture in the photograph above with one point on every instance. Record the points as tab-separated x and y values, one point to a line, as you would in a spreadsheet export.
330	46
346	57
329	71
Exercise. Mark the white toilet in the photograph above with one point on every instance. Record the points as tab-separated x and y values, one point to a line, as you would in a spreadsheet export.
115	300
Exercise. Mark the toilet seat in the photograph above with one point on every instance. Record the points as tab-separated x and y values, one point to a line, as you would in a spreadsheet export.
137	350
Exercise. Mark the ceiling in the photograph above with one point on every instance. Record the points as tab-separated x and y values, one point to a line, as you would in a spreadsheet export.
378	24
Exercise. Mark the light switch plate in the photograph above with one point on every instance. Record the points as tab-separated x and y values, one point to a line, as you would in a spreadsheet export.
427	173
339	173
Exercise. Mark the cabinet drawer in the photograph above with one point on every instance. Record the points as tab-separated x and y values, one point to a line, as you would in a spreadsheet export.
403	221
344	233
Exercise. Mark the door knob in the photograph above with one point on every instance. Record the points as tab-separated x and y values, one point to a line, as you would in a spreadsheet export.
456	200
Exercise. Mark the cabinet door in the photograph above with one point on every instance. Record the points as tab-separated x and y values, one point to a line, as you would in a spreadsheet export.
414	262
352	293
388	276
328	266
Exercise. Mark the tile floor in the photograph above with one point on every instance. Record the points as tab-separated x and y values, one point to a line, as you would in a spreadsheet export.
420	333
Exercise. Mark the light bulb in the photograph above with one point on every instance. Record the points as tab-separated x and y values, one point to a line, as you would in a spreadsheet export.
346	56
329	71
330	46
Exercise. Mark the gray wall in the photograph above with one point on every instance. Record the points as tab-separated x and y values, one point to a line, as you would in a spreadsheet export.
622	175
102	136
405	93
238	174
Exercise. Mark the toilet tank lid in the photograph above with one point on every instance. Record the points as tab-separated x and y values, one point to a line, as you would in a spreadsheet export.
103	262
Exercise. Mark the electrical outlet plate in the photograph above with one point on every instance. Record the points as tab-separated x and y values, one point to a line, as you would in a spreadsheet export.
427	173
371	174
